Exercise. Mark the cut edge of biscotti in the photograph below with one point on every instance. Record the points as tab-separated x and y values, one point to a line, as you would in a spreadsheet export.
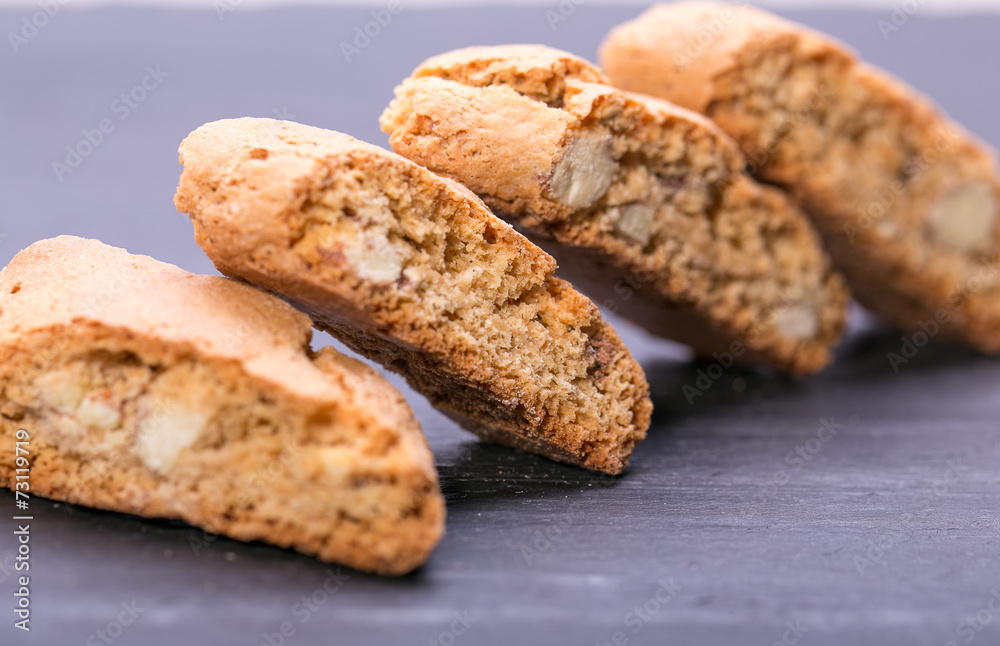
414	271
908	200
645	203
148	390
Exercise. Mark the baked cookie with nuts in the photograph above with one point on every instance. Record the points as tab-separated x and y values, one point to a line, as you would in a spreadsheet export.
149	390
415	272
644	205
906	199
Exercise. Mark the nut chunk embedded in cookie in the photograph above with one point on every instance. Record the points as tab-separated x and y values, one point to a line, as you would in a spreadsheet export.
644	205
414	271
149	390
907	201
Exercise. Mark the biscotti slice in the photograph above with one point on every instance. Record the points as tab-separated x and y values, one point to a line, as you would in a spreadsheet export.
644	205
906	200
141	388
414	271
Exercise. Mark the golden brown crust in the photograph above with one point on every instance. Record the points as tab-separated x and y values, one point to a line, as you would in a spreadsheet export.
656	219
535	71
149	390
906	200
677	51
413	270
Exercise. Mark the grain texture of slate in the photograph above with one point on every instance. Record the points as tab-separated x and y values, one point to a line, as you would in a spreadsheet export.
735	524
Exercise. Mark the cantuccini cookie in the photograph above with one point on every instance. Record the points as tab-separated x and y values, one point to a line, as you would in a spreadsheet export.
906	200
645	205
149	390
414	271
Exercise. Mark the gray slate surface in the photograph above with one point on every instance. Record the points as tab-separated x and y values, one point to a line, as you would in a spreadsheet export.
885	535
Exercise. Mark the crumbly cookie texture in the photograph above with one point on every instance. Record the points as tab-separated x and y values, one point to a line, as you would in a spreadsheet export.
414	271
149	390
645	205
906	200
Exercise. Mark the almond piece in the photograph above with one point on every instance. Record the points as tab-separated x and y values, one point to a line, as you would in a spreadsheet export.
796	322
166	431
966	218
584	173
635	222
